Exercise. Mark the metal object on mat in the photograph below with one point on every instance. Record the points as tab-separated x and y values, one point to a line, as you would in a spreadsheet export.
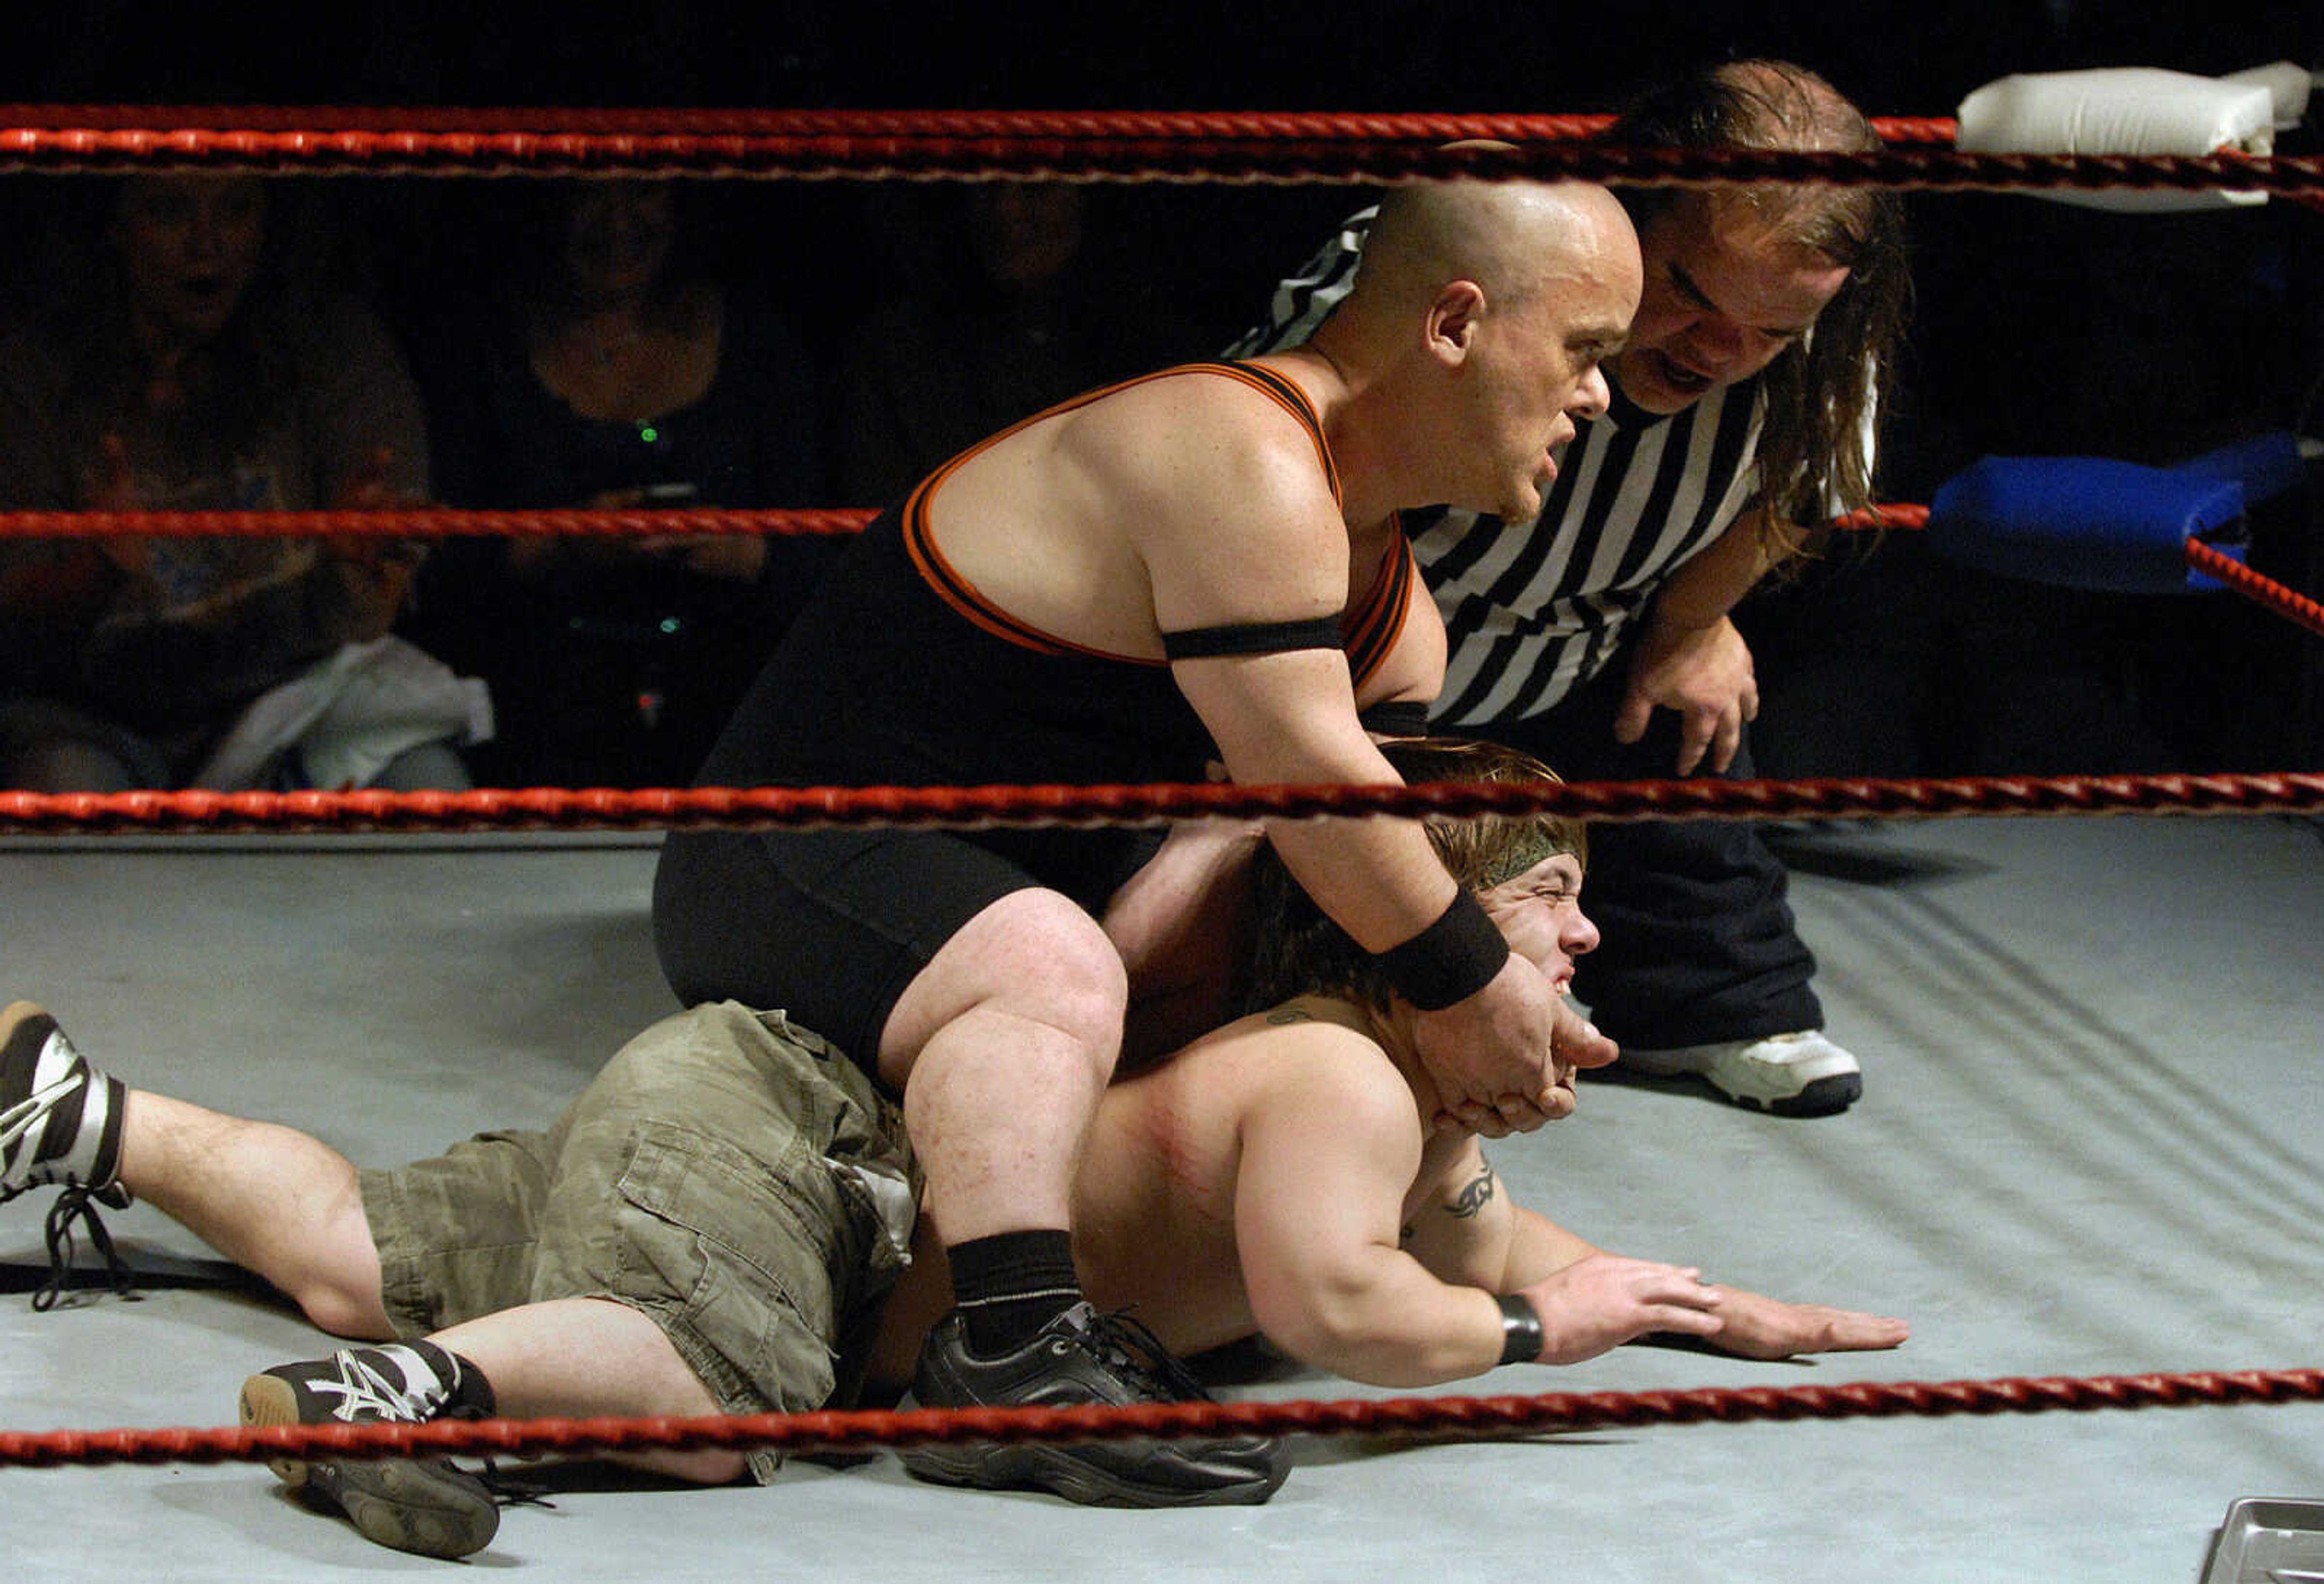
2269	1540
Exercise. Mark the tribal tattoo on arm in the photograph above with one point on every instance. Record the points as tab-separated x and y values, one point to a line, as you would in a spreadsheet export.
1467	1203
1473	1195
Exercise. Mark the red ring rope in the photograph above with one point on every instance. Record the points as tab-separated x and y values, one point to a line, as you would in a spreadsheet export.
1872	516
2284	602
1325	153
388	120
150	812
431	523
835	1431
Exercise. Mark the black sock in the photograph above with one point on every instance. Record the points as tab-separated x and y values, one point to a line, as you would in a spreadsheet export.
1010	1284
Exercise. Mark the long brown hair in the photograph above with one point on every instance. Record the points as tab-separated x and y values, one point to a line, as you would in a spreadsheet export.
1825	394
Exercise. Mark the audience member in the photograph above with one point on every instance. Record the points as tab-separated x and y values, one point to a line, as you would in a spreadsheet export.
614	367
991	312
200	370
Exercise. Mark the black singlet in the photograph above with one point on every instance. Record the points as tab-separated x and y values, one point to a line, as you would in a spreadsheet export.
902	673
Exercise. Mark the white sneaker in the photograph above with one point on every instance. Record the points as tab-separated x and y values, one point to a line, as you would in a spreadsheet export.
1801	1074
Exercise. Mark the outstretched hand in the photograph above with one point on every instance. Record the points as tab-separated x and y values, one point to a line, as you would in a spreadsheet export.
1760	1327
1601	1301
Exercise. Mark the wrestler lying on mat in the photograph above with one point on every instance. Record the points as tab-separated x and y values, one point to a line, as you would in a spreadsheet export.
714	1224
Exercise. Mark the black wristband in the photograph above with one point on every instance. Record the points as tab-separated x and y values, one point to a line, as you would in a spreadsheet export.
1521	1334
1451	959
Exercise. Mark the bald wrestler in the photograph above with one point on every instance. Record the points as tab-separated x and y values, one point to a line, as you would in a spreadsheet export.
1597	635
1203	563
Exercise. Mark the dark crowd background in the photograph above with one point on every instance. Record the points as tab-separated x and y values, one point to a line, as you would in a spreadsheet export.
2040	329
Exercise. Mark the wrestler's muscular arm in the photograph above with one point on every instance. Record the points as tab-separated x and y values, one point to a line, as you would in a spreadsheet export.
1468	1230
1332	1276
1318	1190
1177	920
1244	529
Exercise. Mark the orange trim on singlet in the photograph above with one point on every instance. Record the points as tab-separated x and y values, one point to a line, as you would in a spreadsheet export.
1377	621
969	602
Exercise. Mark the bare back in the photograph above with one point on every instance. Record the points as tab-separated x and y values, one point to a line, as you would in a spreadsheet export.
1156	1200
1163	1203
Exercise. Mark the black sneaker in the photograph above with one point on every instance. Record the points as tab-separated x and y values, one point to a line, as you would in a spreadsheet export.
422	1505
60	1117
61	1127
1079	1357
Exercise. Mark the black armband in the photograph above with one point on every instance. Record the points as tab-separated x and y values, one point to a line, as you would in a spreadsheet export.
1451	959
1397	717
1522	1340
1252	638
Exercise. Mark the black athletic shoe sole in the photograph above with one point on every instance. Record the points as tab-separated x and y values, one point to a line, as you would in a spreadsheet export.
423	1506
1056	1470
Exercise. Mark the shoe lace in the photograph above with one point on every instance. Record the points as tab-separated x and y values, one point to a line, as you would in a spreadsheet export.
79	1203
507	1489
1131	1349
511	1490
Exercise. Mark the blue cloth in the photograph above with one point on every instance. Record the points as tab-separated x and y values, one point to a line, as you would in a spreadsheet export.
2083	521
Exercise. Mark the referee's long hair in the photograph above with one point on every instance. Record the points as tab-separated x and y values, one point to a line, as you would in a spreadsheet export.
1826	393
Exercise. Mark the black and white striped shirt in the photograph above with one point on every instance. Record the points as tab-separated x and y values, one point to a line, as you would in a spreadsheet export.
1533	609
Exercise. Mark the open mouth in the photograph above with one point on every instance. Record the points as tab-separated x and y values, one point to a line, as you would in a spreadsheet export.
1680	377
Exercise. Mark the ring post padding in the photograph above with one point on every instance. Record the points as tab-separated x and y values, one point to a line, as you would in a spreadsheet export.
2082	521
2123	110
2265	466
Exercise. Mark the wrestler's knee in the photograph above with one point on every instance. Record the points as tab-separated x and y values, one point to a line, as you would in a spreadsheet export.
1045	957
1033	956
333	1272
342	1308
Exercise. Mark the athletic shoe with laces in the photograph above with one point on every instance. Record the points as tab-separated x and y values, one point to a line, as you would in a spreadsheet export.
1800	1075
420	1504
60	1117
1083	1356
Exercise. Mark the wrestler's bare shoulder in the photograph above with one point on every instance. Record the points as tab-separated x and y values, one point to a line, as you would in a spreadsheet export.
1310	1045
1188	432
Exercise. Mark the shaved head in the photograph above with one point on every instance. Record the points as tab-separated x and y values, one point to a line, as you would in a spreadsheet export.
1474	332
1514	239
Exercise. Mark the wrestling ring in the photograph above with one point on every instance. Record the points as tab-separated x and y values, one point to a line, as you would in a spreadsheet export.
2085	1164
